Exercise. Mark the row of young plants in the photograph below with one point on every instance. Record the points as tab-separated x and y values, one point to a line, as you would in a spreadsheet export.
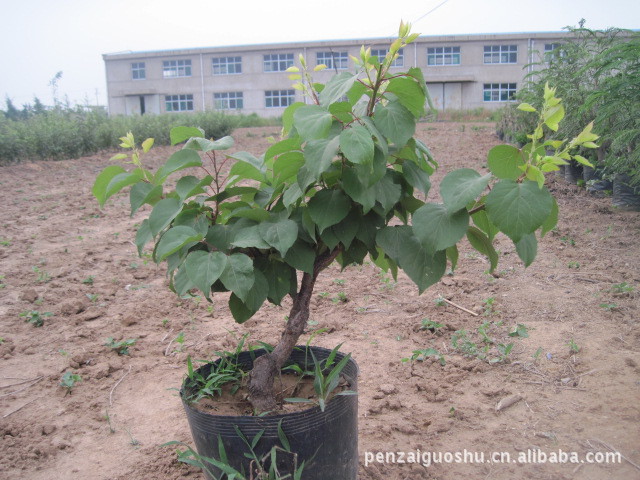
58	133
597	75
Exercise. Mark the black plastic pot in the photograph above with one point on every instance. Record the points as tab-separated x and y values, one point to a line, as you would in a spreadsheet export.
327	441
594	182
624	195
572	172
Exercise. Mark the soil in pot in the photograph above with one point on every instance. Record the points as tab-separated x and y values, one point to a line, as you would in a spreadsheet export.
326	441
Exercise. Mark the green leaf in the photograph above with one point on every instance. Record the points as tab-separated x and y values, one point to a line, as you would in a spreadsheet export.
518	209
436	228
387	191
220	236
553	116
204	145
364	195
180	134
143	192
416	177
180	282
527	248
504	160
99	189
287	117
281	234
462	186
244	171
347	229
189	186
328	207
283	146
180	160
482	221
281	279
395	122
174	239
238	276
312	122
357	145
143	235
301	256
337	87
394	240
409	93
250	159
246	235
291	195
287	165
243	309
551	221
452	256
165	210
318	155
122	180
482	244
204	268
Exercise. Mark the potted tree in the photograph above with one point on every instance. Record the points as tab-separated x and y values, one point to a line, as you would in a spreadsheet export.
347	181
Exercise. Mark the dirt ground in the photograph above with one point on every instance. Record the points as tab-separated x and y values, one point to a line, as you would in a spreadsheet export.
576	377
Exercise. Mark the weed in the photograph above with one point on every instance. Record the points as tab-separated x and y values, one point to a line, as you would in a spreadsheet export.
121	347
35	318
422	355
609	306
575	265
430	325
107	417
165	322
88	280
489	307
2	284
573	346
567	240
440	301
5	242
537	353
133	441
326	377
42	275
93	297
388	283
519	330
69	381
622	288
338	281
323	294
341	297
2	340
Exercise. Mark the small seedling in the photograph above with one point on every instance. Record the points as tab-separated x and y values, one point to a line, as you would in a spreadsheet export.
93	297
609	307
340	298
573	346
489	307
519	331
42	275
567	240
69	380
430	325
88	280
622	288
323	294
575	265
35	318
107	417
387	281
338	281
121	347
5	242
2	340
422	355
2	284
440	302
537	354
133	441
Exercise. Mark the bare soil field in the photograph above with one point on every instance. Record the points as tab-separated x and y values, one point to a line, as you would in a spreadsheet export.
574	380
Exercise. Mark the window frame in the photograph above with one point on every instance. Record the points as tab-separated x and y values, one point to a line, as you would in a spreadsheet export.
138	71
398	62
228	100
182	68
227	64
178	99
336	60
442	53
498	52
282	61
280	95
499	89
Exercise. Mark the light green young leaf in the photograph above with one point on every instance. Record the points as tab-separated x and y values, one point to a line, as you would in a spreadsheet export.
147	144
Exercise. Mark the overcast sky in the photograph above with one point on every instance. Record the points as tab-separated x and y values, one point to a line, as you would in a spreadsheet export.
39	38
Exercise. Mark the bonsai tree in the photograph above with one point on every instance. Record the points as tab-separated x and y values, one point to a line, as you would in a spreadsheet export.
347	180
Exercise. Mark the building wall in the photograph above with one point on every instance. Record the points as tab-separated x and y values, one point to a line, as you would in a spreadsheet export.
460	86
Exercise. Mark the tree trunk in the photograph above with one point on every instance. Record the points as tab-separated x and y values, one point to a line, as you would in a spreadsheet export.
267	367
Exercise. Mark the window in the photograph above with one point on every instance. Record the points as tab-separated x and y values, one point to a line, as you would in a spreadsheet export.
137	71
279	98
501	54
443	56
227	65
176	68
549	51
382	52
228	101
333	60
178	103
278	62
499	92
